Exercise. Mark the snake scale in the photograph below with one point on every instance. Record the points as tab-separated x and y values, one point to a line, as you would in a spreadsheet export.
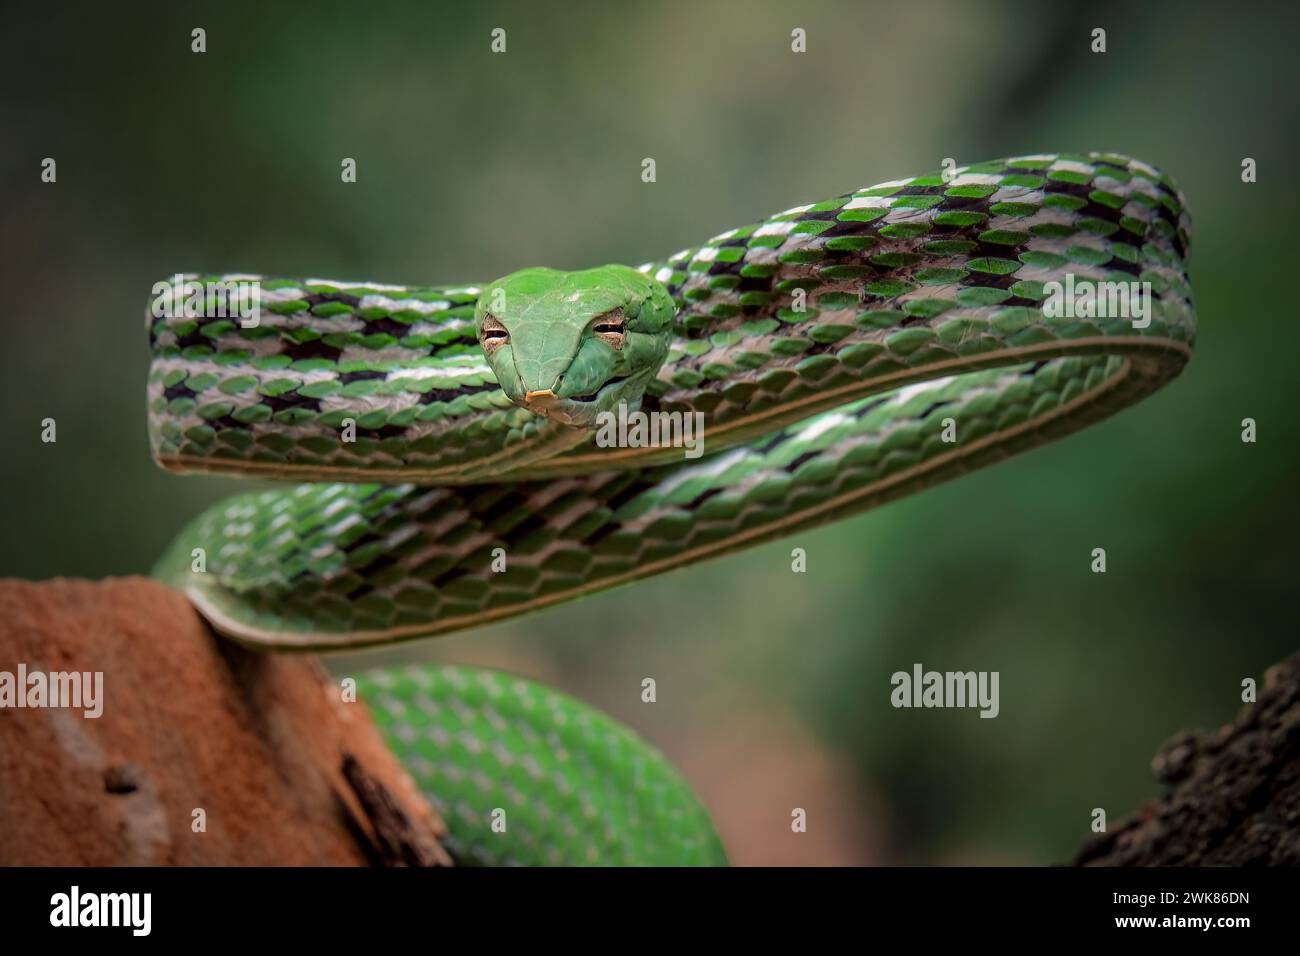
839	355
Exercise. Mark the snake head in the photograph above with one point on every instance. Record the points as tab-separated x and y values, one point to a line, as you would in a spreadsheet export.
571	345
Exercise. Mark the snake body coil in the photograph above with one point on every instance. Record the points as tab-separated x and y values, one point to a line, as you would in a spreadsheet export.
840	354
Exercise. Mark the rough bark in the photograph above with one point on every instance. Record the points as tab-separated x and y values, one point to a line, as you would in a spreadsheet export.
285	772
1234	795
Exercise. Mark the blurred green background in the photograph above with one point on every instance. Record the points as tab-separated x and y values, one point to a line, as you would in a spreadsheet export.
773	687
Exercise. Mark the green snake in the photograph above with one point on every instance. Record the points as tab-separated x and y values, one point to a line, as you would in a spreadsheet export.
837	356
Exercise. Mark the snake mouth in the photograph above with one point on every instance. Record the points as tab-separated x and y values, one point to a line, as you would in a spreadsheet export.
577	411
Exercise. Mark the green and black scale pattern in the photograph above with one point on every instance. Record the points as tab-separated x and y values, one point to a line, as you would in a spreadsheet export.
898	279
826	348
906	283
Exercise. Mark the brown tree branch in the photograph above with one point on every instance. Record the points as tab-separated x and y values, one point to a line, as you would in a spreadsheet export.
205	753
1234	796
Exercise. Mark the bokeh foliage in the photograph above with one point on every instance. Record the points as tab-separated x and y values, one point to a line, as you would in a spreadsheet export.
471	165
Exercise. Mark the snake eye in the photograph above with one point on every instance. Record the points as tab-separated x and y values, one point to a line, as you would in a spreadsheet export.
493	334
611	328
